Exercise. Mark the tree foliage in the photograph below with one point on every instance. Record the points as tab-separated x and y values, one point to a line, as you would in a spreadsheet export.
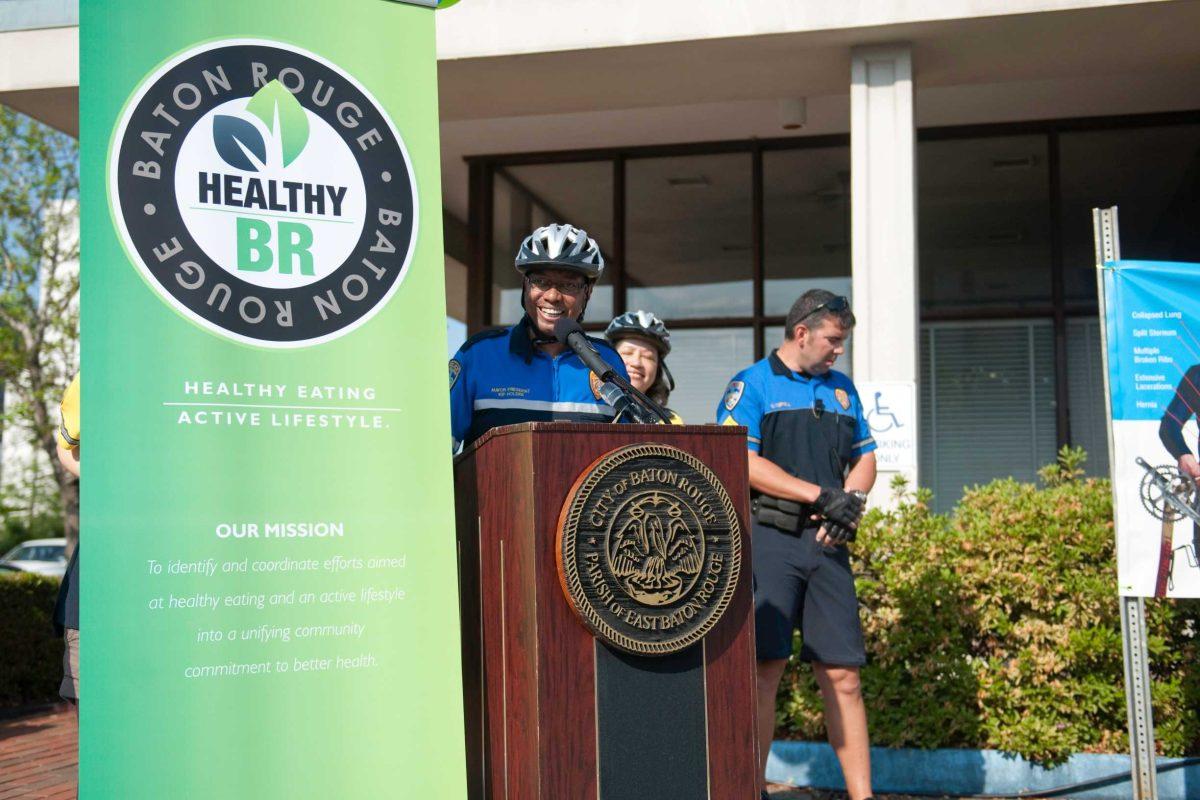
39	311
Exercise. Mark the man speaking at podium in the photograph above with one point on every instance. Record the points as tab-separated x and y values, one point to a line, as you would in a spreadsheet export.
523	373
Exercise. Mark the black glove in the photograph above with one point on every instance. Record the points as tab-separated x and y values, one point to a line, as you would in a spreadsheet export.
840	507
837	535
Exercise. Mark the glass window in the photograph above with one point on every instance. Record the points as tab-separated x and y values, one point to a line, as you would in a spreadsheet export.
806	224
688	236
773	337
527	197
983	222
703	361
1085	388
30	552
1152	175
987	404
456	335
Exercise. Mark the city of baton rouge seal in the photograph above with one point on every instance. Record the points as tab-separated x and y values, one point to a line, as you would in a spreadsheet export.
649	549
263	193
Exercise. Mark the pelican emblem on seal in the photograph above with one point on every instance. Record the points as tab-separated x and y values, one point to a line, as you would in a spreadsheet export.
657	549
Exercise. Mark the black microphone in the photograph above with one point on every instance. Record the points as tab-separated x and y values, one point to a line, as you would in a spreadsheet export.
569	332
612	394
625	403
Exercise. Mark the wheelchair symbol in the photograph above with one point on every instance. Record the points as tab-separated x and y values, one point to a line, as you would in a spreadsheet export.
880	418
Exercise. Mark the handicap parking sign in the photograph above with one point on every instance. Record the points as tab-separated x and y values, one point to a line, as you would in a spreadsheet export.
890	408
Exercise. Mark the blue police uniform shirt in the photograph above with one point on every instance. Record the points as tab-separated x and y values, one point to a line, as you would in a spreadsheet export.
499	378
812	426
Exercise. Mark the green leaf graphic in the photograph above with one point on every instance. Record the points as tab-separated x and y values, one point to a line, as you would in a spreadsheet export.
274	99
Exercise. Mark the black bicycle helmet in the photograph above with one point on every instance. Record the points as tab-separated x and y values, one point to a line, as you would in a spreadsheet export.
645	325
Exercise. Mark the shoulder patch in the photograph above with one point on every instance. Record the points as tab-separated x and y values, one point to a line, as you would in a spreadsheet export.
455	370
490	333
733	393
594	382
843	398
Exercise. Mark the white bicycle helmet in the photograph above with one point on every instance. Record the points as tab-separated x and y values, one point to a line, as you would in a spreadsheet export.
557	246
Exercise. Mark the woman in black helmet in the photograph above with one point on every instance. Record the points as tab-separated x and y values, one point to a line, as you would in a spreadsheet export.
643	341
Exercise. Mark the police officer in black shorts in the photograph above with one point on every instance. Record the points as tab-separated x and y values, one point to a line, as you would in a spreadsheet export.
811	463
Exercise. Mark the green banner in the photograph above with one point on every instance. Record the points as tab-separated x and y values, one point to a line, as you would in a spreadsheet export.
269	604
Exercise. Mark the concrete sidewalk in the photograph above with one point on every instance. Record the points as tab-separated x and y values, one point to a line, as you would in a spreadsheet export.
780	791
39	760
39	756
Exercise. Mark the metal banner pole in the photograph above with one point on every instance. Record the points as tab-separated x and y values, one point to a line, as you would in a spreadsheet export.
1133	609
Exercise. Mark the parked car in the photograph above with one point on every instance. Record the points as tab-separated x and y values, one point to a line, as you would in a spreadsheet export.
41	556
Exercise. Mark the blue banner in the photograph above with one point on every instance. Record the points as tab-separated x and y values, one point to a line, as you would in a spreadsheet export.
1153	316
1152	322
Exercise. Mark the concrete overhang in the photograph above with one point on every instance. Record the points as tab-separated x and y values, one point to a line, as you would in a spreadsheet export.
490	28
1087	59
39	75
1101	39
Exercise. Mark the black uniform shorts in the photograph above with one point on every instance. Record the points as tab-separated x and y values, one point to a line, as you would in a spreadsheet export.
800	584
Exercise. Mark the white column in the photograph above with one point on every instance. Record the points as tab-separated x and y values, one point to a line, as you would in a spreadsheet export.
883	240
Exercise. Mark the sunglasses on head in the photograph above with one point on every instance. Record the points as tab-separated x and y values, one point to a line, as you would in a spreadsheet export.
835	304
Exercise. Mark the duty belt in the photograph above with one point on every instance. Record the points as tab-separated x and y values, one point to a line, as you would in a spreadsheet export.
785	515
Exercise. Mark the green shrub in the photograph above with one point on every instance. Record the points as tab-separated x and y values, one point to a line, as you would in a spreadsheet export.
998	626
31	655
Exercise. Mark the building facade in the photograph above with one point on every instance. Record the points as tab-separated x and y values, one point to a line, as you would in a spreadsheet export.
935	160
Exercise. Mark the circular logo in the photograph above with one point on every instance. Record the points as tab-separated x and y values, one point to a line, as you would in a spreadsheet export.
649	549
263	193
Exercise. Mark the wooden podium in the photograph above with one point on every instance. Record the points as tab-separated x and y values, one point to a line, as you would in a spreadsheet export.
554	711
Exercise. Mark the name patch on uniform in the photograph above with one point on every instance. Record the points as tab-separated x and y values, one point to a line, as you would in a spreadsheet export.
733	394
455	369
843	398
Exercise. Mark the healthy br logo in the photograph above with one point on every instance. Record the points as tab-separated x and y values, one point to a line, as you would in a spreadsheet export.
263	193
